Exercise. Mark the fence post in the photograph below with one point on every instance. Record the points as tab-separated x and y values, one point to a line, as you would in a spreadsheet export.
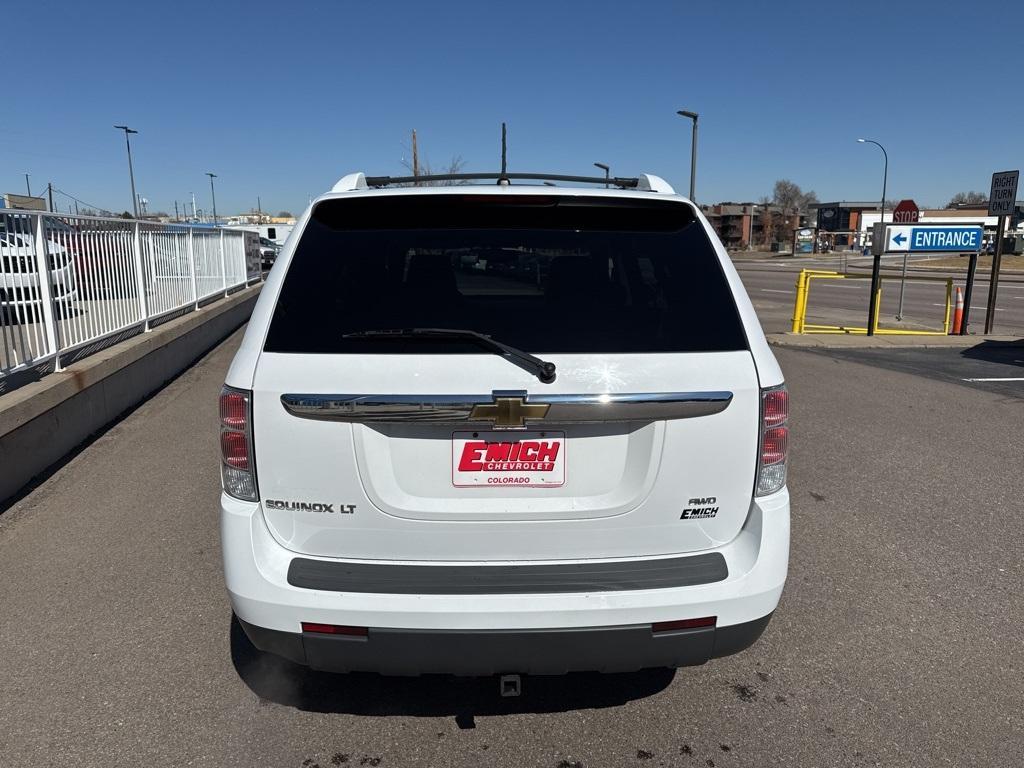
45	292
152	264
140	278
243	268
192	268
223	266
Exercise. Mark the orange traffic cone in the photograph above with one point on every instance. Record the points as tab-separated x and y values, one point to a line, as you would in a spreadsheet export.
958	313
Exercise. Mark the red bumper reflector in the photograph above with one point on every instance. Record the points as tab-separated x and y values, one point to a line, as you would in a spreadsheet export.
671	626
333	629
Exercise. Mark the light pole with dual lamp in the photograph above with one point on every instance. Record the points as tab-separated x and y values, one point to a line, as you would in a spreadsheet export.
693	152
131	172
213	196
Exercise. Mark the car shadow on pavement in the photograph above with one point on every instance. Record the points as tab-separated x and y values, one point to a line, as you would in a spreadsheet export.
278	680
1005	353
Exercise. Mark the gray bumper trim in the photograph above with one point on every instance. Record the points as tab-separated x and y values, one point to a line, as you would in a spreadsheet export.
397	579
539	652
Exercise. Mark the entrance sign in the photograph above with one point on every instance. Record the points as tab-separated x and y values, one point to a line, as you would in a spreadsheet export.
1003	196
906	212
935	239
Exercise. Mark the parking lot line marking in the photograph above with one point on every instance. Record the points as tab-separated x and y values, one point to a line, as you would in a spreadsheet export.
979	309
1018	378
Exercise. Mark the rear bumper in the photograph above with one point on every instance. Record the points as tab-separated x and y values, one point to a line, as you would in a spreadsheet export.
535	652
494	631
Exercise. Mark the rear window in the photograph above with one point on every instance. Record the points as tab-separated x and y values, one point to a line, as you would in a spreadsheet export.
547	274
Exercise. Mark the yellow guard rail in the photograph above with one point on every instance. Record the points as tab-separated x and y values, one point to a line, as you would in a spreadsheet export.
803	291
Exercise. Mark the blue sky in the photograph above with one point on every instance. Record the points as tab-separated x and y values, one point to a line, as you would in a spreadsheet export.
282	99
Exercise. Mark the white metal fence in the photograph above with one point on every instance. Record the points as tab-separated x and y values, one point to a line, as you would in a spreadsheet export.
70	285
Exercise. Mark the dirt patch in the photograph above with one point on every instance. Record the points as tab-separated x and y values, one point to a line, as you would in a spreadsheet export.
1011	261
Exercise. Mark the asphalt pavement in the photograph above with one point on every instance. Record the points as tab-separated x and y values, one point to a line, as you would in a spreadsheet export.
897	641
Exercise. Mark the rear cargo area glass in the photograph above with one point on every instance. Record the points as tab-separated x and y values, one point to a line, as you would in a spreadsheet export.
545	273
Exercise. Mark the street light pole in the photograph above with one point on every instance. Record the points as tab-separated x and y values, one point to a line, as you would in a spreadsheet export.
693	152
213	195
28	187
131	171
607	172
877	266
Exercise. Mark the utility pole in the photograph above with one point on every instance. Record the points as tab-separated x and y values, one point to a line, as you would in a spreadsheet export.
49	189
28	187
131	171
415	155
259	210
176	211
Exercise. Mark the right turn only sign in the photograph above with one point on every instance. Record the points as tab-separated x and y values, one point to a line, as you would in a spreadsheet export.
1003	196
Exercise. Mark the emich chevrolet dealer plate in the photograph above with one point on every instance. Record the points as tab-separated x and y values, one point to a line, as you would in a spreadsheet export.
508	459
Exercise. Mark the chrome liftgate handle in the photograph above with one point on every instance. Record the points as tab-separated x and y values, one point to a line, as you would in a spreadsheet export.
506	409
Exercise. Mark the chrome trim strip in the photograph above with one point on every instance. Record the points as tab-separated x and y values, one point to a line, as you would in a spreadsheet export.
454	409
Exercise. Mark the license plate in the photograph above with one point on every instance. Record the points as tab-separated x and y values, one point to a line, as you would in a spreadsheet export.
508	459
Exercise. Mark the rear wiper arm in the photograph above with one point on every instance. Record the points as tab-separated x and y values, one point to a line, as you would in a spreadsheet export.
542	369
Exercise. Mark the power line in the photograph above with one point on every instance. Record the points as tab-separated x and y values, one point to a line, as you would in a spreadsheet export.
78	200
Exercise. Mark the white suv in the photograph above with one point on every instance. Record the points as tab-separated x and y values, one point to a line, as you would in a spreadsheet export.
503	428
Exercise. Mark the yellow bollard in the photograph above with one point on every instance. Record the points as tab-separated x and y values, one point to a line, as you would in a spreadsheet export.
800	304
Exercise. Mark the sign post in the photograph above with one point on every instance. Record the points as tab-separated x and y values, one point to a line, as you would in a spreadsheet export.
1002	200
972	268
906	212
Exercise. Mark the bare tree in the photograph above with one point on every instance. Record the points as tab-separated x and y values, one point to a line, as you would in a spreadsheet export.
790	198
455	165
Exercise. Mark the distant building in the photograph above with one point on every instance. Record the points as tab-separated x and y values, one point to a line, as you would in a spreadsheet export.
276	233
741	224
24	202
958	215
840	223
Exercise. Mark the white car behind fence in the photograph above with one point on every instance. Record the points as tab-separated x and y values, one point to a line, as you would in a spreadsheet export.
104	279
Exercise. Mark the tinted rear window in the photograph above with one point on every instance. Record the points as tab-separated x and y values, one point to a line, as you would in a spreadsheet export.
547	274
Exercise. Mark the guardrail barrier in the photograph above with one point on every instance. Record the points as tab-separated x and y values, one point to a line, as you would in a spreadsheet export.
803	290
71	285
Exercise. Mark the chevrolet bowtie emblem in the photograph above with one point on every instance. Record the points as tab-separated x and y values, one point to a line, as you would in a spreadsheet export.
509	412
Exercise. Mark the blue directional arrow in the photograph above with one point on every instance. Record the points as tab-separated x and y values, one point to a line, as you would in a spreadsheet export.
900	239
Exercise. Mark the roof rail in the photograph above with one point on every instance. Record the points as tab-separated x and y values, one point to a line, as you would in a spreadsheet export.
384	181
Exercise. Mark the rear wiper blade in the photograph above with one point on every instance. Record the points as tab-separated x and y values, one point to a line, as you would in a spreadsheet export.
542	369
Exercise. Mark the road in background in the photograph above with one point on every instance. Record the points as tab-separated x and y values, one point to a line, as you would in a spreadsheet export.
896	642
771	284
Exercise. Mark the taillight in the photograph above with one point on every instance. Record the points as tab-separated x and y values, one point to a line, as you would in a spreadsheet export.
238	466
774	437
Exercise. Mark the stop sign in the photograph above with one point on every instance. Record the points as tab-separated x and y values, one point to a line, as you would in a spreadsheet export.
906	212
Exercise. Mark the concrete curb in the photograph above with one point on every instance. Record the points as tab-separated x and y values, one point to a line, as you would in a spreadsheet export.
43	421
850	341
